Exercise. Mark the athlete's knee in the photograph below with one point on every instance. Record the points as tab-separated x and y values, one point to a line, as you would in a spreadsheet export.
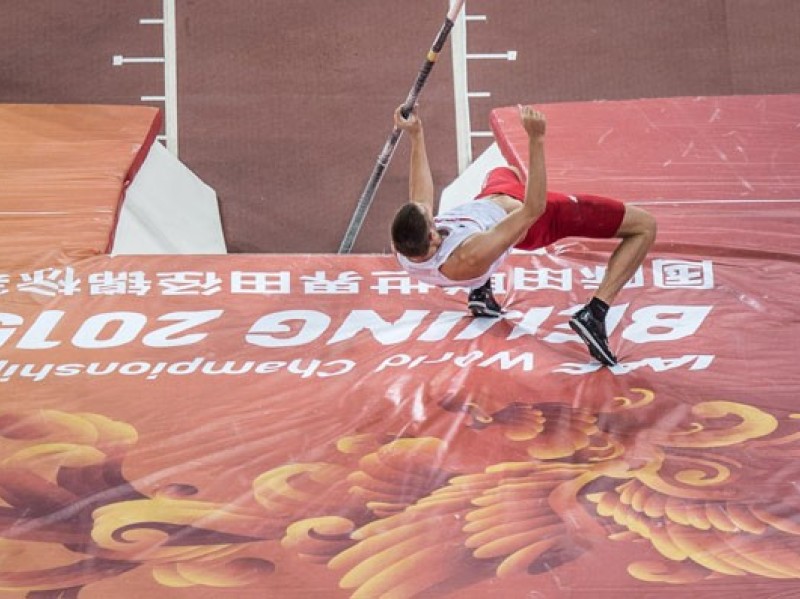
651	227
648	225
638	222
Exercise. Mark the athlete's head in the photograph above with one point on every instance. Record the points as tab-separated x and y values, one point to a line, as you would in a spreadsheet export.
412	230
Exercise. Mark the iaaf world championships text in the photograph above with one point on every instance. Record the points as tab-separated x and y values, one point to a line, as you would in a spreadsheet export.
306	368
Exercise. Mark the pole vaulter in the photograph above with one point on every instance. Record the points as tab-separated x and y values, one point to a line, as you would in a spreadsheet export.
385	157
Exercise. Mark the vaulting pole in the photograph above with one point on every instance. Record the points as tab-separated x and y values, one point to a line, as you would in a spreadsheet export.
385	157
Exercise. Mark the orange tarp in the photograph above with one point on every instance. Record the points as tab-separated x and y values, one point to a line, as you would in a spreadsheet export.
63	170
288	426
297	426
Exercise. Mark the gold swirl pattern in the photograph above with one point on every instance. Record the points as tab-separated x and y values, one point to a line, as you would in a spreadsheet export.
62	487
389	517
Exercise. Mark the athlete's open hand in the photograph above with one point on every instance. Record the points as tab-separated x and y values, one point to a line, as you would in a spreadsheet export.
533	121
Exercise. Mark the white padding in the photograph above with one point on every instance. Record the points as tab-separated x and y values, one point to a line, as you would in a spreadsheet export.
168	210
468	183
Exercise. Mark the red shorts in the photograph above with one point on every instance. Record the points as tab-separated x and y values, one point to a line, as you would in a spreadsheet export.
565	216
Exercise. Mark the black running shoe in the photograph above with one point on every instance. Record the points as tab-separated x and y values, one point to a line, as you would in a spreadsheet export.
481	302
593	333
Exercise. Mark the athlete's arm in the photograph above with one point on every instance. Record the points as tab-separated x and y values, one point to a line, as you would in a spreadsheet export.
420	179
474	257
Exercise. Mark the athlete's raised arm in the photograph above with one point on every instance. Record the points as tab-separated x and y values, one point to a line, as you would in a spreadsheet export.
474	257
420	179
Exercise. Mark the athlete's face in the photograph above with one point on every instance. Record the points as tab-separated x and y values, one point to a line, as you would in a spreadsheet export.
435	237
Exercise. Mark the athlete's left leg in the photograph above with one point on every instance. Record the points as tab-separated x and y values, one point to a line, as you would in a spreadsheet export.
638	232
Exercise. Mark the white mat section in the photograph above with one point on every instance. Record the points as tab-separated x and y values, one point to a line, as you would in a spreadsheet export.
468	184
168	210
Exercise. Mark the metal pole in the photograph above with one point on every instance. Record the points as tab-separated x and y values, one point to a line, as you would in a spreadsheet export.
385	156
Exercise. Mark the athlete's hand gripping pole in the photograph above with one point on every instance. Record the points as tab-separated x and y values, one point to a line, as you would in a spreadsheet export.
385	157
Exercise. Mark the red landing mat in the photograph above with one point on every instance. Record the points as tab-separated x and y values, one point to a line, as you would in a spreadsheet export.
63	170
300	426
319	426
714	170
669	149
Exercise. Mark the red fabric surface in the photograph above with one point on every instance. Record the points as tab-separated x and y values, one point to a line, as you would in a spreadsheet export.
735	147
317	425
64	169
